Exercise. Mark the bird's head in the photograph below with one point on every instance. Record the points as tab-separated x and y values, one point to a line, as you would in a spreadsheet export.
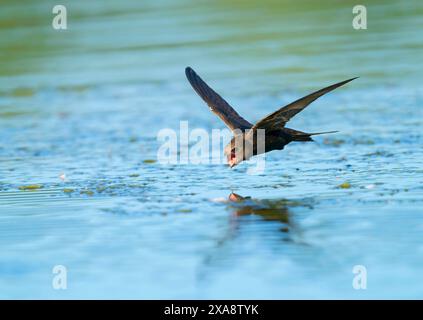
239	149
234	156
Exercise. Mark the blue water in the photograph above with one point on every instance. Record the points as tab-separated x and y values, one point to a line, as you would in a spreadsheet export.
88	102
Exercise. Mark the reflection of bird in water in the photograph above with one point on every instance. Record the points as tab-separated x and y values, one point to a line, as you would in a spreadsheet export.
266	211
245	142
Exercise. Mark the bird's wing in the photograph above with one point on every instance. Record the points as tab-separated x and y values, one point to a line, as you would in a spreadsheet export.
216	103
279	118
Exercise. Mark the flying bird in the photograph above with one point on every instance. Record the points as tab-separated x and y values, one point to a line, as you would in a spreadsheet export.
245	144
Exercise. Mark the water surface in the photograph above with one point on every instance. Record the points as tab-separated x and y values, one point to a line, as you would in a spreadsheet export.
88	102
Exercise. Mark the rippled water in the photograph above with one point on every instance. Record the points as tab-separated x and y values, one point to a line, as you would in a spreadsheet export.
88	102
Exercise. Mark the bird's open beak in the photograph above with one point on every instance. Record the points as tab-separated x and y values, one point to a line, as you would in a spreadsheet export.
231	163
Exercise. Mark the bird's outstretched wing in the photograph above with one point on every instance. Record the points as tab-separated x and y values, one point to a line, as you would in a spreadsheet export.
216	103
279	118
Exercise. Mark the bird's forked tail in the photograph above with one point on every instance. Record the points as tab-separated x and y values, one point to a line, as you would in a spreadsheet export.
303	136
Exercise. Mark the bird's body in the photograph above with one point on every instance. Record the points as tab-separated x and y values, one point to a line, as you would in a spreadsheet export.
267	134
273	140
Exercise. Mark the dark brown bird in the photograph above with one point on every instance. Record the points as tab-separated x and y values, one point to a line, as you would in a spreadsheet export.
244	144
